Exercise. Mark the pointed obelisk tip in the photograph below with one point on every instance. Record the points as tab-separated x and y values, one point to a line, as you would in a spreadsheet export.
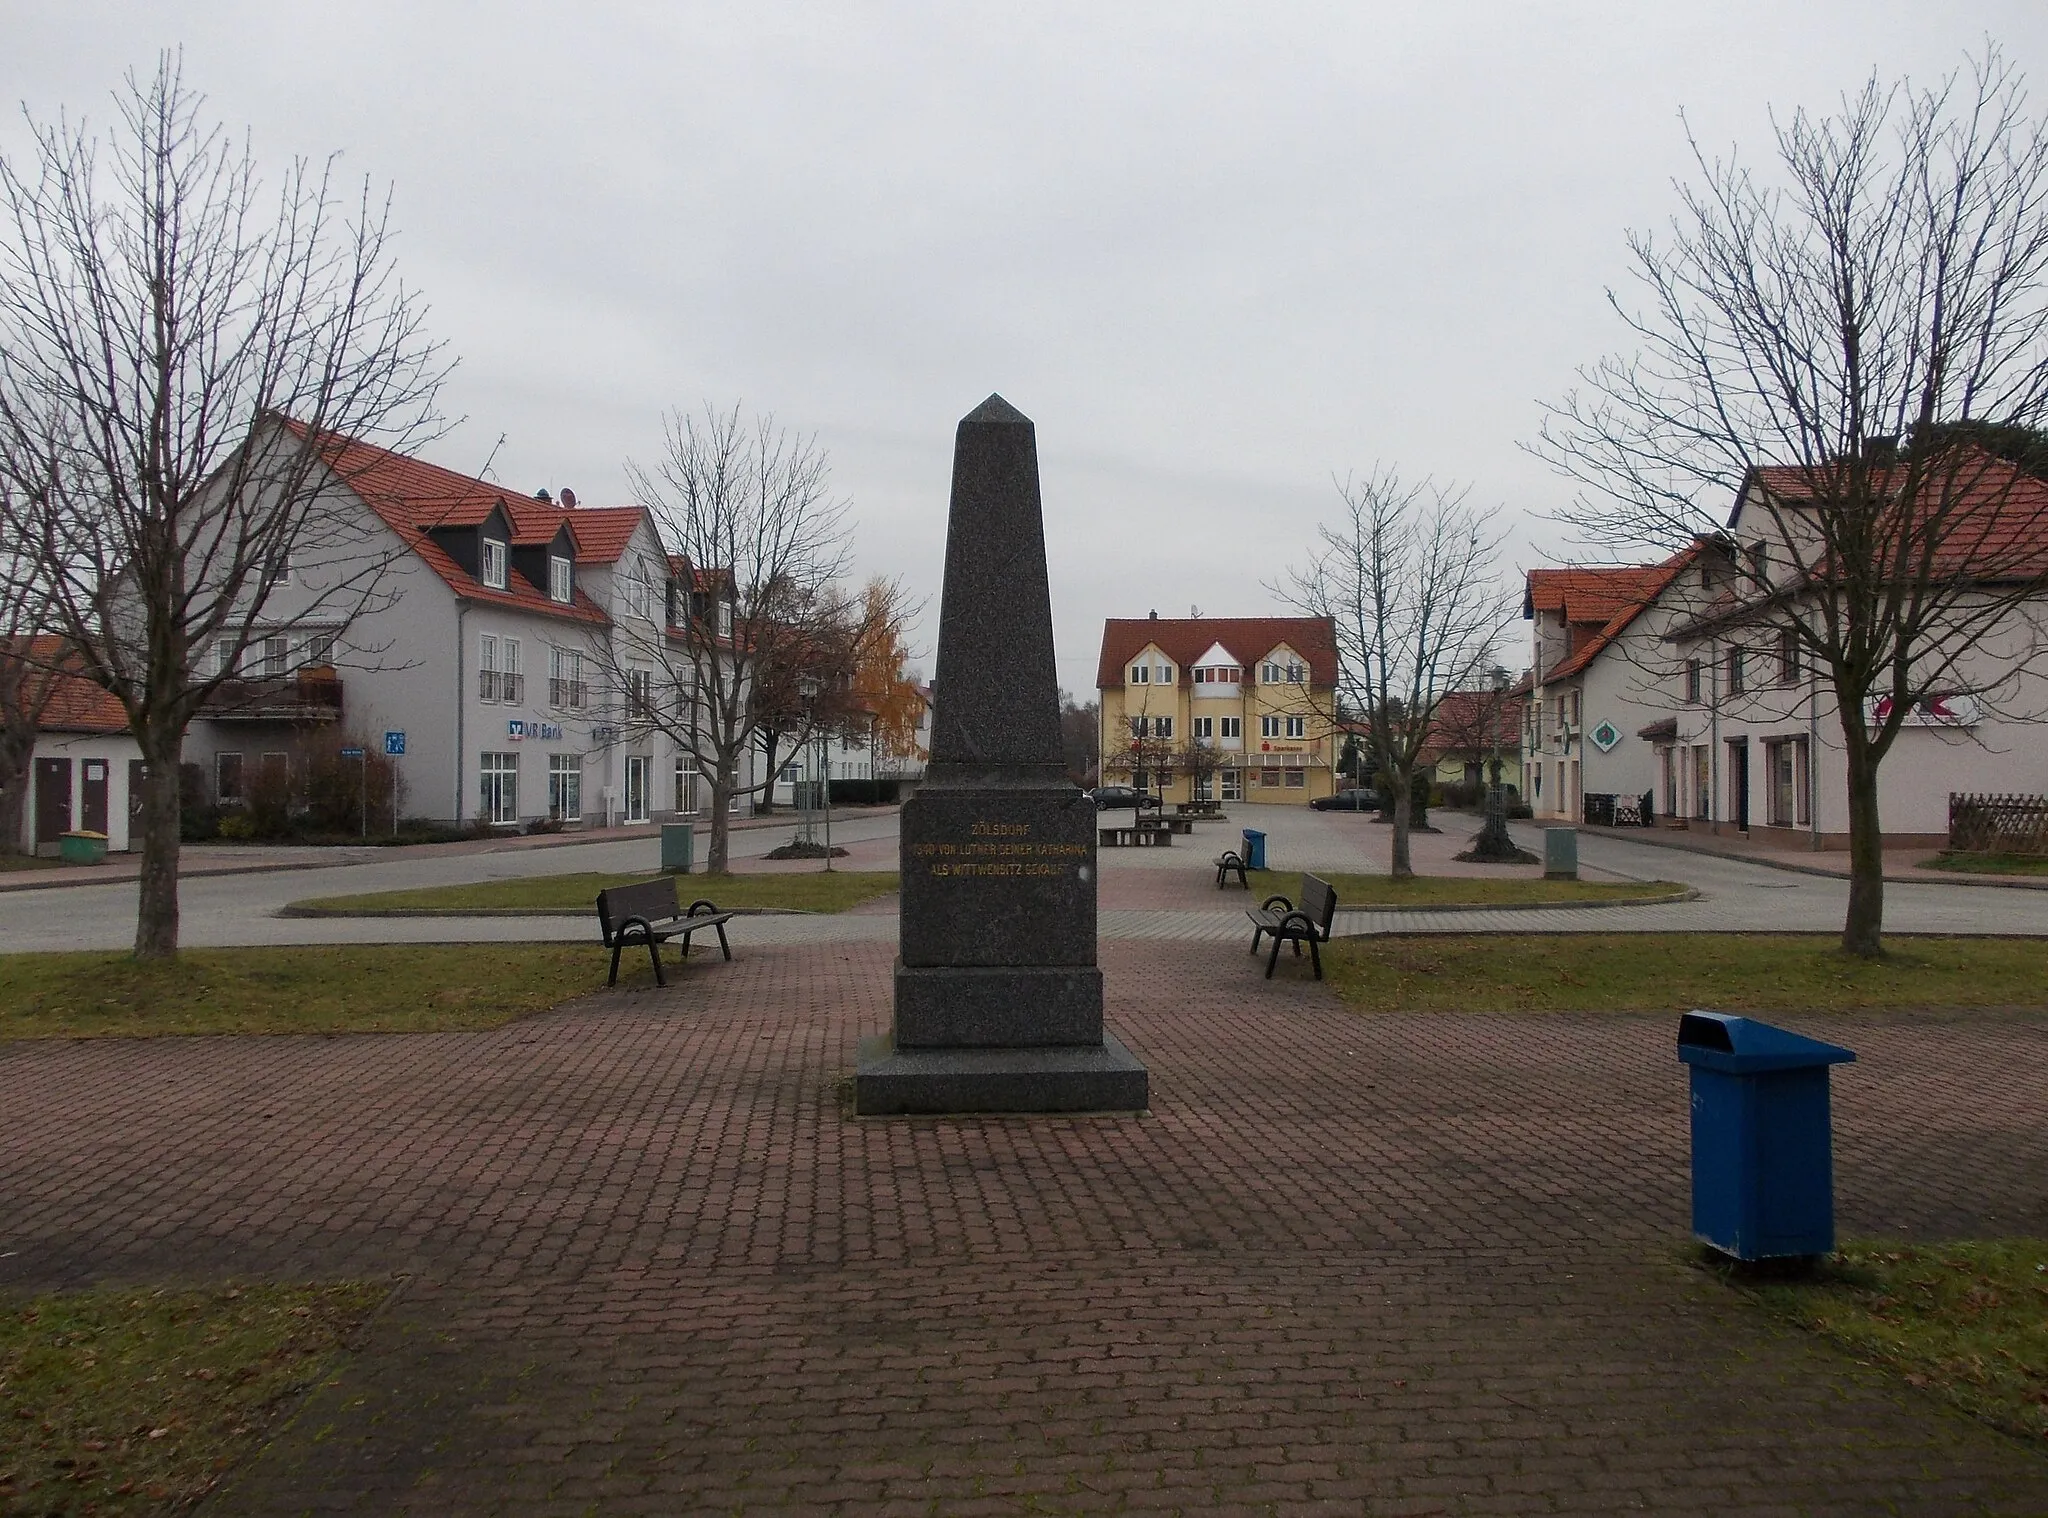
995	412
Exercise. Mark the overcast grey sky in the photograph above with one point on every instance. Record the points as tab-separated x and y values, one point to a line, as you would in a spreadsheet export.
1217	253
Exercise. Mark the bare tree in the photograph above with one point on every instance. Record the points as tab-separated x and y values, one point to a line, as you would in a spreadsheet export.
28	683
1826	347
178	348
761	553
1081	739
1407	574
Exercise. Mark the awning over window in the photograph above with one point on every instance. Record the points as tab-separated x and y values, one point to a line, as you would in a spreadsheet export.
1660	732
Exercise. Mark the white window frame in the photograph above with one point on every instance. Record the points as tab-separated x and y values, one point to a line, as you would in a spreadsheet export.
1141	674
565	787
1297	727
496	558
488	688
561	588
643	764
1205	727
1233	727
1269	727
499	772
1162	727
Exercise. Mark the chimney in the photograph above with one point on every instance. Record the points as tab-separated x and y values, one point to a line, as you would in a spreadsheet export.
543	497
1155	616
568	498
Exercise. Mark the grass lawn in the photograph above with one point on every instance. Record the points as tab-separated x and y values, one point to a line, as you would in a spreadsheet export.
812	891
1968	1321
127	1400
1457	891
352	988
26	862
1988	864
1642	972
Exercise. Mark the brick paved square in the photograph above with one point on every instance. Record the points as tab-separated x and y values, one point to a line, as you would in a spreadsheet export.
1409	1264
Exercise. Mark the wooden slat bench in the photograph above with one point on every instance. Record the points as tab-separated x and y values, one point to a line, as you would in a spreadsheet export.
648	913
1308	923
1144	834
1231	862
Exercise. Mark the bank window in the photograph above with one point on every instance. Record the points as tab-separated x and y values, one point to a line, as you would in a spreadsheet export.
565	787
494	564
1233	727
1269	727
1162	727
1205	727
500	788
1269	777
1296	779
1297	727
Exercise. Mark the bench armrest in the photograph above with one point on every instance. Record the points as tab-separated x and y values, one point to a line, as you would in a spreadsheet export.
619	933
1308	926
708	906
1268	904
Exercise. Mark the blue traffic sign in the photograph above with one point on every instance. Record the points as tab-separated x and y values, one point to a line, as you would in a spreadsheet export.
351	753
394	742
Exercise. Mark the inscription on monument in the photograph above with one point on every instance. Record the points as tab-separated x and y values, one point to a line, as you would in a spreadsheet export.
1000	850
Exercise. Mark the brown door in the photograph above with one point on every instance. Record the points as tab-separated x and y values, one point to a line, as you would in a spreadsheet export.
53	800
92	796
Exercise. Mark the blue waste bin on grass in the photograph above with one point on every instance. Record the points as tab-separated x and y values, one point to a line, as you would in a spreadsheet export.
1254	849
1763	1183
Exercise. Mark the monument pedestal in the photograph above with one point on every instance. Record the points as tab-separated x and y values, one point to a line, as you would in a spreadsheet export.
1102	1077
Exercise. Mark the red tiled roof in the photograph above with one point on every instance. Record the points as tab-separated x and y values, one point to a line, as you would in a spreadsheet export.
412	496
602	532
1993	515
1465	719
1644	583
1186	639
1588	594
73	704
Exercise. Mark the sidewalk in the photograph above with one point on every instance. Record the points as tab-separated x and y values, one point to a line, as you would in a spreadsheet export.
1387	1266
1900	865
200	859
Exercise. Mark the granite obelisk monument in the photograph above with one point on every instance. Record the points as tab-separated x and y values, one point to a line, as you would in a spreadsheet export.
998	995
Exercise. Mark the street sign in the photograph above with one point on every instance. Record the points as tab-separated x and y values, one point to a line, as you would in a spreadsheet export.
394	742
351	753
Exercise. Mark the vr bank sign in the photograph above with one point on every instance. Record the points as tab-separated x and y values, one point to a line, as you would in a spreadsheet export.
517	729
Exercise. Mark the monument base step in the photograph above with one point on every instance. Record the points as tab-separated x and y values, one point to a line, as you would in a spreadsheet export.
890	1082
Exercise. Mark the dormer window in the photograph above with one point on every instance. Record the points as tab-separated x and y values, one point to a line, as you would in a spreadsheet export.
495	560
1141	674
559	583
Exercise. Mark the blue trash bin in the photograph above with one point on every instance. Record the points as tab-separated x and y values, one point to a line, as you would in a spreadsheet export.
1254	849
1763	1183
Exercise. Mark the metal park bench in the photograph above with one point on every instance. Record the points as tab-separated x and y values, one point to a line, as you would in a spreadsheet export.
1231	862
1308	923
648	913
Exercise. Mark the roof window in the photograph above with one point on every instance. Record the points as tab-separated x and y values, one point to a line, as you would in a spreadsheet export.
494	561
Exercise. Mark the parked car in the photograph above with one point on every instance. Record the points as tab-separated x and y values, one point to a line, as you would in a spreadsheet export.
1107	796
1353	800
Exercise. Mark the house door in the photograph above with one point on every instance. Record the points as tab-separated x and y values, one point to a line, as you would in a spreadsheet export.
636	787
92	796
1738	782
53	800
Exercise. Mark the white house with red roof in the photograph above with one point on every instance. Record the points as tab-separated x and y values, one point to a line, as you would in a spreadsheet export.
1599	683
1753	733
482	666
85	768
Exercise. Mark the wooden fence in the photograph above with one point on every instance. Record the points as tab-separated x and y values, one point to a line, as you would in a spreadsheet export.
1997	824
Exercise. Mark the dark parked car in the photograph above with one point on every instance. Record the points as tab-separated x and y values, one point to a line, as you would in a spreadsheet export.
1107	796
1348	801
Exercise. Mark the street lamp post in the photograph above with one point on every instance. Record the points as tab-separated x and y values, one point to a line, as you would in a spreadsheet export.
807	687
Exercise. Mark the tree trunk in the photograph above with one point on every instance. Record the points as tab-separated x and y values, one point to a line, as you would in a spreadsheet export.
1402	866
156	916
1862	929
766	805
15	765
722	783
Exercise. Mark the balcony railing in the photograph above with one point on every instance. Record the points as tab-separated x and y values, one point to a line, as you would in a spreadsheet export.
572	694
308	696
495	685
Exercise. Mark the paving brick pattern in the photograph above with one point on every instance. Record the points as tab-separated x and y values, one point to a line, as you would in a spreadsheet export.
1386	1265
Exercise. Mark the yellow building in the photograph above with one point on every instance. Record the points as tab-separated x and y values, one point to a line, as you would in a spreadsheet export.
1245	703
